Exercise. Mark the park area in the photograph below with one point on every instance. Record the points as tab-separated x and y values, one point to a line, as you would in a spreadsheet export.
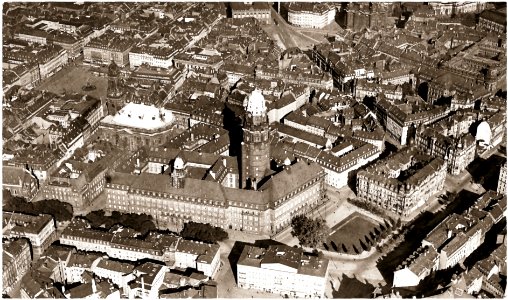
353	235
71	79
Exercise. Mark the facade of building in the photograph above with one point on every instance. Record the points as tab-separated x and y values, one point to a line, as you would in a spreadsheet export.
493	21
401	124
456	238
107	48
402	182
157	54
450	140
16	261
501	183
310	15
454	8
172	250
283	270
21	182
78	187
258	10
367	15
40	230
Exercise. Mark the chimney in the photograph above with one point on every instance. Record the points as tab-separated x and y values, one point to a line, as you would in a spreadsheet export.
224	162
254	184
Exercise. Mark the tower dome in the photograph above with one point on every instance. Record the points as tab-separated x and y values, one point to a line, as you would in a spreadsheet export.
484	133
178	163
287	162
256	103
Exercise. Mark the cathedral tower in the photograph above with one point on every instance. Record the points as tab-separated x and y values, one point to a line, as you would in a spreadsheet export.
115	91
256	142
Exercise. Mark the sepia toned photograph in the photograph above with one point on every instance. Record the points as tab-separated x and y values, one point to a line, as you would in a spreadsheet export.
254	150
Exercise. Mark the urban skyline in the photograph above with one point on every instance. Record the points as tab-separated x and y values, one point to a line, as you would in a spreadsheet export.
254	149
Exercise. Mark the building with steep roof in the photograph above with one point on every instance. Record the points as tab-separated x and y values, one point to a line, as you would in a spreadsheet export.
40	230
16	261
120	273
282	269
21	182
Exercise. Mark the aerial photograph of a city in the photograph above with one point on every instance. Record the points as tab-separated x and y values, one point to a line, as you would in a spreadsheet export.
254	150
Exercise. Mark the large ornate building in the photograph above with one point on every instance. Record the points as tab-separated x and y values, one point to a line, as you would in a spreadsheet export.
265	203
402	182
133	124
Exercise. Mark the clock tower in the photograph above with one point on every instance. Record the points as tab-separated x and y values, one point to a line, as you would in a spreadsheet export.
256	142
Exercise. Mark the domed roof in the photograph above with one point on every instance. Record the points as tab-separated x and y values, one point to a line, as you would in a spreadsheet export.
178	163
256	103
483	132
287	162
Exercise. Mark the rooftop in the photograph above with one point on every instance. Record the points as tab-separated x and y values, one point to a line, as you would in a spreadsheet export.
141	116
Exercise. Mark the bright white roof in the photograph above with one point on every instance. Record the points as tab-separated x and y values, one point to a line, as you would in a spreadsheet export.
483	132
141	116
256	103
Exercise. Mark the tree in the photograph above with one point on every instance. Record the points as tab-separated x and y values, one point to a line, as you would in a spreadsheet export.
310	232
363	245
399	223
334	246
325	246
203	232
387	224
317	253
61	211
